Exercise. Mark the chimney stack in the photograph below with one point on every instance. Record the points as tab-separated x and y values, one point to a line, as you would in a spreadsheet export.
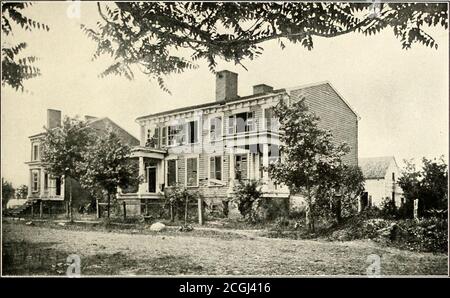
262	88
226	85
53	118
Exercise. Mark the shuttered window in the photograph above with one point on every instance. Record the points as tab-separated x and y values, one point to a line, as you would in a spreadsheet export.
35	152
35	181
171	172
241	167
231	125
164	136
175	135
242	122
192	132
215	128
191	171
215	167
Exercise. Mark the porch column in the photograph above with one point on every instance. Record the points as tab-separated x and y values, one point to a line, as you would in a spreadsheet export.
41	183
30	184
232	171
250	166
141	188
257	158
265	162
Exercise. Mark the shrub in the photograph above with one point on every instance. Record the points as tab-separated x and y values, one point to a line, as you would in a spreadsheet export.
430	234
248	198
388	209
177	197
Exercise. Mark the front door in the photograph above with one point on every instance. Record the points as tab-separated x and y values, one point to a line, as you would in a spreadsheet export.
241	166
151	178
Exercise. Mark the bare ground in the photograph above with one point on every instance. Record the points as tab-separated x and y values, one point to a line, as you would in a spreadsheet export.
41	250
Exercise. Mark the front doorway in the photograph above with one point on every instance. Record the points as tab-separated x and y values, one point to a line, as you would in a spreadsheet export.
241	166
151	179
364	201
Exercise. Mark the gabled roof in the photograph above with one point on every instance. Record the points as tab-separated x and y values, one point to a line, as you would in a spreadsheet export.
249	97
375	167
102	123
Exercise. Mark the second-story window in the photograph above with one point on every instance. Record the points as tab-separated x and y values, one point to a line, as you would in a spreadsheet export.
192	132
271	122
215	128
153	137
175	135
242	122
164	136
35	151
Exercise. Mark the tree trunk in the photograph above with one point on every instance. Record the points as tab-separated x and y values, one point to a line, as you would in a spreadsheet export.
171	213
109	204
338	210
70	200
309	223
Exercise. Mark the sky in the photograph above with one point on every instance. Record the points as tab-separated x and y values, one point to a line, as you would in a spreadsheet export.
401	95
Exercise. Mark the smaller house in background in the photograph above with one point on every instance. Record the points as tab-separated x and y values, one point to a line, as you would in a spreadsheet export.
50	192
380	174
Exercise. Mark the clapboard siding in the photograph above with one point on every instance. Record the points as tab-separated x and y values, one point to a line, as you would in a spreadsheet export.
335	115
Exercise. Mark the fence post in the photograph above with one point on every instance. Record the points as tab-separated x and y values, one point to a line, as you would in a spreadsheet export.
97	211
124	210
41	211
200	211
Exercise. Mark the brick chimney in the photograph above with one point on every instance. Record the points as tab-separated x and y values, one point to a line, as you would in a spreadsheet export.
226	85
53	118
262	88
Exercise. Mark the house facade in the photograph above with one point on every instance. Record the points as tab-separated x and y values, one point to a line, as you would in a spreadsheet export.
209	147
380	174
43	187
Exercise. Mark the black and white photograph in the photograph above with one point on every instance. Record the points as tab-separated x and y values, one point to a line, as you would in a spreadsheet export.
224	139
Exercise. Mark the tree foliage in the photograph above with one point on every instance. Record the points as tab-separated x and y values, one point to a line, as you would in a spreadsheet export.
22	192
106	165
247	196
428	185
7	192
63	149
338	195
16	69
149	35
310	159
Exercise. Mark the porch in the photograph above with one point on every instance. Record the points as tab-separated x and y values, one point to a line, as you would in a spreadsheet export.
247	162
151	168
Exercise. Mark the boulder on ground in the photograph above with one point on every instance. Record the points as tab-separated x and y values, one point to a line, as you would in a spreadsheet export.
157	227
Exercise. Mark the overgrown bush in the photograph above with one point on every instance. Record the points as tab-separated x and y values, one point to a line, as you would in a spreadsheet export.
429	234
179	198
388	209
248	199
